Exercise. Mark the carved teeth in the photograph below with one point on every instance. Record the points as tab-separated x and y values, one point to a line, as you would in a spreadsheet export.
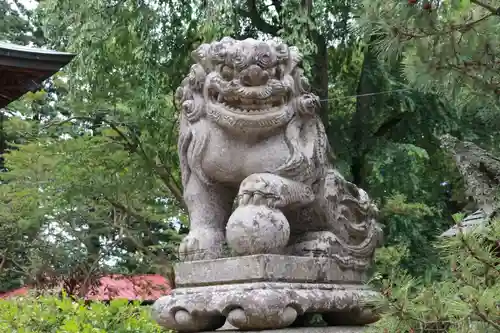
248	109
236	104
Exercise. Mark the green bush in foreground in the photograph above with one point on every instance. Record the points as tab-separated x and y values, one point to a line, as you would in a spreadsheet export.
48	314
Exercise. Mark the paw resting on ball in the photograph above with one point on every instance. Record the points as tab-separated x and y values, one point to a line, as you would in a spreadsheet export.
259	189
273	191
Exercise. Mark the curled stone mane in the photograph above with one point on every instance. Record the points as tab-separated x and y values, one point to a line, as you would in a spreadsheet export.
224	87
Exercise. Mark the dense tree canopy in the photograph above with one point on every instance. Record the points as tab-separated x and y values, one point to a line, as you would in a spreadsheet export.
92	163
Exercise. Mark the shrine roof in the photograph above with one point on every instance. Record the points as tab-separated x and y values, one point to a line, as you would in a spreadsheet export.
23	69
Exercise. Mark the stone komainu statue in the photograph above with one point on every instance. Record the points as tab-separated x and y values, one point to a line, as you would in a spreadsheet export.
257	181
249	129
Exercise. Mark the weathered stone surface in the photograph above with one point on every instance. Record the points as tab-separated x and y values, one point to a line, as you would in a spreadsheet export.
330	329
479	169
256	229
474	222
264	305
264	268
481	173
250	141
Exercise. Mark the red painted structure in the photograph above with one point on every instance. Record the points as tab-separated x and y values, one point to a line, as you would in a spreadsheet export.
144	288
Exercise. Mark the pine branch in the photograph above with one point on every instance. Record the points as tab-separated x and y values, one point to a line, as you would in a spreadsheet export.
462	28
464	71
474	254
484	317
493	10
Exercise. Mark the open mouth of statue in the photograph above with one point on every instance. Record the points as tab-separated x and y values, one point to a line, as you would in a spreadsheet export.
239	104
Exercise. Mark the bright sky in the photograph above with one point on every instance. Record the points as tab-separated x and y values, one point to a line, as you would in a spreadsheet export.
29	4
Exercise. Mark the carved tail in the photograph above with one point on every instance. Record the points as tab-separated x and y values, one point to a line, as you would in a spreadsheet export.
353	217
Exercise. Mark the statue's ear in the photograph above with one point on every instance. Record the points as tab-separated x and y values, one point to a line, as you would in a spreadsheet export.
295	58
200	54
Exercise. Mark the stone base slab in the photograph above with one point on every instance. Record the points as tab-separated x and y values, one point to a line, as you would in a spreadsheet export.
262	305
265	268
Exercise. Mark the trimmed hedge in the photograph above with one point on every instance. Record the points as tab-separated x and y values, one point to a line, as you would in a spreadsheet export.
63	315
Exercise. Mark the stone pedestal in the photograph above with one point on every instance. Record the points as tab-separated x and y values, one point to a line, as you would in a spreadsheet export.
261	292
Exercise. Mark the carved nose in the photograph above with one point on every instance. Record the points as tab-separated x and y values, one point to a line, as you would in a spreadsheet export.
254	76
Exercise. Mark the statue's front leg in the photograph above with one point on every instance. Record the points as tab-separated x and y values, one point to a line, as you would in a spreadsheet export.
274	191
209	207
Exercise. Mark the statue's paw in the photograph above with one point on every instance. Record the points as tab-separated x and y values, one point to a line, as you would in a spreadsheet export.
202	245
257	190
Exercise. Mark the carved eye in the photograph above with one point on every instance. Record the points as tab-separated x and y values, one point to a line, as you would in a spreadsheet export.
227	73
239	60
264	60
187	106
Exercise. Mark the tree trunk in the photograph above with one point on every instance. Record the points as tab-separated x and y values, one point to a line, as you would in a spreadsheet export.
364	110
320	76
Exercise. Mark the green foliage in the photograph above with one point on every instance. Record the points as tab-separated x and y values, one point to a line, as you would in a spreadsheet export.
46	314
386	258
131	58
397	205
15	28
92	183
414	206
86	202
464	300
447	46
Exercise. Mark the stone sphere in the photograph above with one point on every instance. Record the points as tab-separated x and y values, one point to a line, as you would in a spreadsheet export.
257	229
